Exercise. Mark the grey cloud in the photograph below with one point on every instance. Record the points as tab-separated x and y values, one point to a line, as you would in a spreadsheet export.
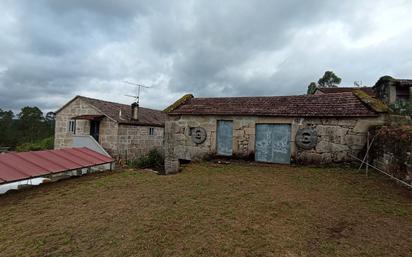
53	50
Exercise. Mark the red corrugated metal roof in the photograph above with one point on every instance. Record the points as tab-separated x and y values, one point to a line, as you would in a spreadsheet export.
26	165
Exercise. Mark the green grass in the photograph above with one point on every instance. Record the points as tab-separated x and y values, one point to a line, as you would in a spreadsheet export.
210	209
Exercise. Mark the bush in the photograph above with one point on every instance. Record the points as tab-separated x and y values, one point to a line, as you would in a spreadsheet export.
402	107
44	144
154	159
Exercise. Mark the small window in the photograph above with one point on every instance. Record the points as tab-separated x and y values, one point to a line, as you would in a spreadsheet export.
402	93
72	126
151	131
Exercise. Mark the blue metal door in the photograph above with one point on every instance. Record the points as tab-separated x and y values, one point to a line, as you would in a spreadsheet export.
273	143
224	137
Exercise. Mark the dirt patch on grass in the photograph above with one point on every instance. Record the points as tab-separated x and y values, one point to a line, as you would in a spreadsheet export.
238	209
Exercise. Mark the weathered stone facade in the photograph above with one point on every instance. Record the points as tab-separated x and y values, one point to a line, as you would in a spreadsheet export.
336	137
134	141
119	140
63	138
392	151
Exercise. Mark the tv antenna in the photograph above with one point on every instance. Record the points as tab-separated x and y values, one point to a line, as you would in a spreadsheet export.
138	87
358	83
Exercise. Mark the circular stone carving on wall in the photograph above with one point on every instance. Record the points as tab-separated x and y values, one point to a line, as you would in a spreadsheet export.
306	138
198	135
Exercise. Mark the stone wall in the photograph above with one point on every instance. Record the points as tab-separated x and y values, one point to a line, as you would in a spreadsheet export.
392	151
336	137
135	141
63	138
108	136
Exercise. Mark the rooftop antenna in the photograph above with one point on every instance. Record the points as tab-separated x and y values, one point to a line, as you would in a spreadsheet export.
138	87
358	83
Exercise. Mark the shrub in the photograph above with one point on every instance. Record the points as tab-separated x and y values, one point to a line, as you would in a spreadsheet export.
396	142
154	159
44	144
402	107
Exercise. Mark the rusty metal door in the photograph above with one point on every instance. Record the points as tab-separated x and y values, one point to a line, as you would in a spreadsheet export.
273	143
224	137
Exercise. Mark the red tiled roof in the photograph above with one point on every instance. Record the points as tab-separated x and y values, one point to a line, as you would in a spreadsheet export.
334	90
147	117
330	105
26	165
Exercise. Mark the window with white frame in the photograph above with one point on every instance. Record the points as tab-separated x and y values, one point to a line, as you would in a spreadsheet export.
72	126
151	131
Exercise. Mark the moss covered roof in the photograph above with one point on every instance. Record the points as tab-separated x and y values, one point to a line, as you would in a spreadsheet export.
179	102
375	104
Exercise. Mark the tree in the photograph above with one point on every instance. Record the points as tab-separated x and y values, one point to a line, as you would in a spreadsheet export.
49	119
28	128
329	79
50	116
312	88
7	133
31	124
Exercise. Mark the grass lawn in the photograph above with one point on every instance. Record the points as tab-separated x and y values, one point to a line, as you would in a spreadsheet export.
211	209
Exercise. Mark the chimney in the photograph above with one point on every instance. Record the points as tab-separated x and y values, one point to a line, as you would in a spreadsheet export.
135	111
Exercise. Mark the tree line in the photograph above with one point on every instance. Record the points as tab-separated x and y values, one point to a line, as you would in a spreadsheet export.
27	128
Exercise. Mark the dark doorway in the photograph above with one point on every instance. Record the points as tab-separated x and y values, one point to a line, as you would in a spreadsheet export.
94	129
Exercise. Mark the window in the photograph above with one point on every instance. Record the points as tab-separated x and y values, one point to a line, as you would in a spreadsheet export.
402	93
72	126
151	131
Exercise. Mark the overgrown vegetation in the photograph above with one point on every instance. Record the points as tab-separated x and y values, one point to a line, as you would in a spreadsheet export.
402	107
43	144
179	102
29	126
376	104
396	141
154	159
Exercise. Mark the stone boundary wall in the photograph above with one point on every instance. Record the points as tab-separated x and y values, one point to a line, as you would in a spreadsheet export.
336	137
392	151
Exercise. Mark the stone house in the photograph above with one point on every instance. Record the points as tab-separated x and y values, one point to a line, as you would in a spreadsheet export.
387	89
320	128
390	90
124	131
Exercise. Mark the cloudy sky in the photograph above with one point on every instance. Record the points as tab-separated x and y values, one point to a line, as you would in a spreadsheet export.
52	50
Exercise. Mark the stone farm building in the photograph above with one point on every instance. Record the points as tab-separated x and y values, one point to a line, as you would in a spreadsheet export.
319	128
124	131
387	89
